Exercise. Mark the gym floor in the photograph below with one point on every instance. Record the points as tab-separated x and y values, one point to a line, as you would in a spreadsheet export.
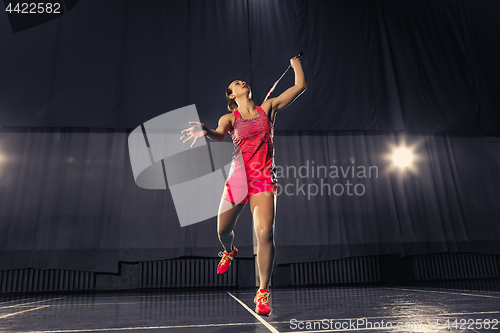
462	306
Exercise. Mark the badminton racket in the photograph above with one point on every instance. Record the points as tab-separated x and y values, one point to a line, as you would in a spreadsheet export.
276	83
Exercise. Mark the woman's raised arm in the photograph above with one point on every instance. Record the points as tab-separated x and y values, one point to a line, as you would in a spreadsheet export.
289	95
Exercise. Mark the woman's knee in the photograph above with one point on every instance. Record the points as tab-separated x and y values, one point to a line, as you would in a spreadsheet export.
227	220
264	233
224	231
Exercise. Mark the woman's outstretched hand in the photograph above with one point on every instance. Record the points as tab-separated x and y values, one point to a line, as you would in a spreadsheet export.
195	132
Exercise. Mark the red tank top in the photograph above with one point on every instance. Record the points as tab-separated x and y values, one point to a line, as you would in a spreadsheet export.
254	139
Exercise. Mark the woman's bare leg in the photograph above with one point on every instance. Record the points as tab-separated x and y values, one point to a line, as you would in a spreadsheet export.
263	208
226	220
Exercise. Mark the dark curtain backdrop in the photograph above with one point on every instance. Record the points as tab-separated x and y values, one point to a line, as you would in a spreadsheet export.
418	65
446	201
68	200
379	73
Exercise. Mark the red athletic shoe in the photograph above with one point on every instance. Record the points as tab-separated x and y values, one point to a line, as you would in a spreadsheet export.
225	262
262	301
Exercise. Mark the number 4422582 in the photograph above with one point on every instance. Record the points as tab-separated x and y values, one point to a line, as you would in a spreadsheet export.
34	8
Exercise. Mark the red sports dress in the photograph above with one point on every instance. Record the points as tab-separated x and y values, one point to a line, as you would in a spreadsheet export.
252	169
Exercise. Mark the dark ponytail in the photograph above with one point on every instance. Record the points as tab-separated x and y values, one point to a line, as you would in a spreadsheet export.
231	103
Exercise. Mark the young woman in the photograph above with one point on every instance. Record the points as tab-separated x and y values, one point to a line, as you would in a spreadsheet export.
251	128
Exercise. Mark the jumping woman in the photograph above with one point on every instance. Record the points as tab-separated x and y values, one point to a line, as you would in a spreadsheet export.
252	128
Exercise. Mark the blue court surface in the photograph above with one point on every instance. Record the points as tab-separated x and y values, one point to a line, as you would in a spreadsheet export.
461	306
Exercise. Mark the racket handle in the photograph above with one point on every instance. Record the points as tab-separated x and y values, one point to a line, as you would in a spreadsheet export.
300	54
270	91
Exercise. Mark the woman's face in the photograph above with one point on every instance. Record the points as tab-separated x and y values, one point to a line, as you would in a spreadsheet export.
240	88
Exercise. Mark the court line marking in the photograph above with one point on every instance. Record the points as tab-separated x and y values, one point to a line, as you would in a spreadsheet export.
483	291
138	302
140	328
221	325
13	314
238	324
101	304
486	291
468	313
24	304
15	300
278	291
259	318
443	292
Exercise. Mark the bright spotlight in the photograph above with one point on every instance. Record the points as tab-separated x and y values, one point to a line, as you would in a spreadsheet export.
402	157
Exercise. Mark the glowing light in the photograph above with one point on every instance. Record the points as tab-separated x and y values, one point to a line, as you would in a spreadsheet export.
402	157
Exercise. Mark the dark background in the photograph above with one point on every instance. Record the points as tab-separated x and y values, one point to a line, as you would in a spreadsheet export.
380	74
